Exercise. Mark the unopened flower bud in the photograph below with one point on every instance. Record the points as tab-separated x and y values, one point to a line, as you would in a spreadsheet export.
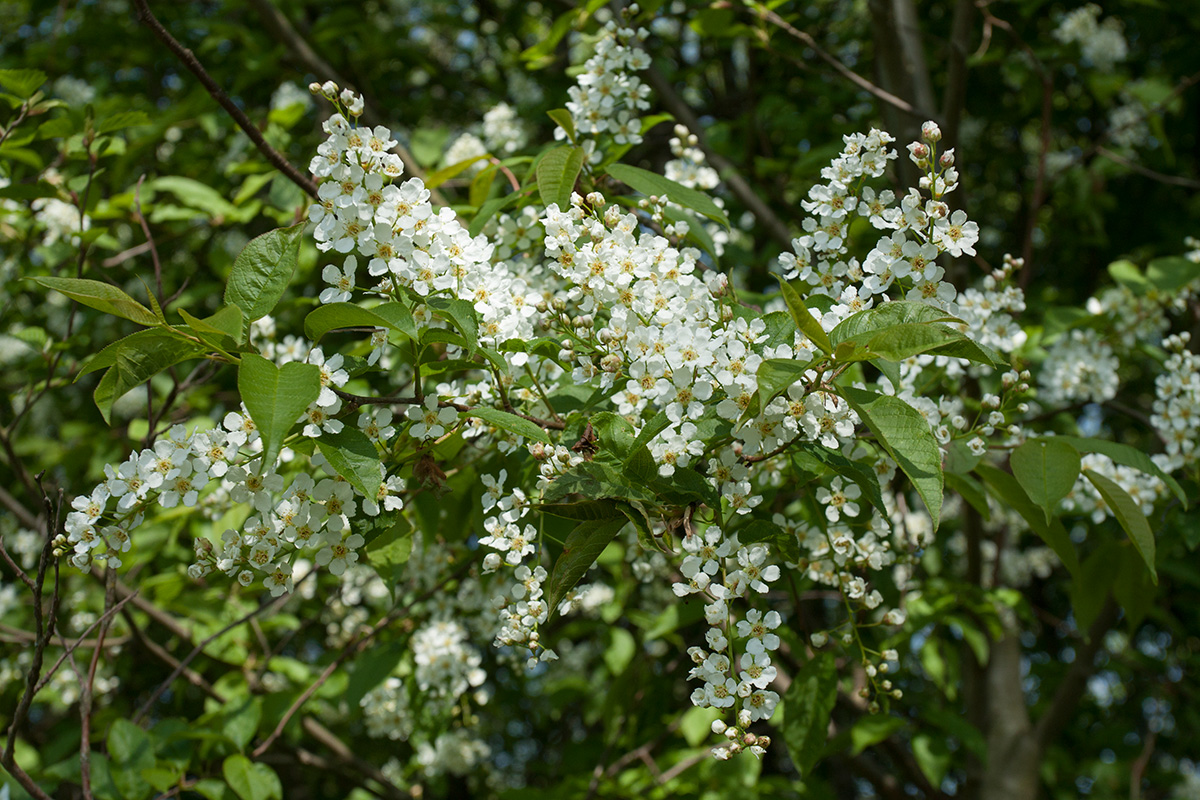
930	132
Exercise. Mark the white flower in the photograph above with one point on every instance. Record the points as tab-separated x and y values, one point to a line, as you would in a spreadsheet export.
430	420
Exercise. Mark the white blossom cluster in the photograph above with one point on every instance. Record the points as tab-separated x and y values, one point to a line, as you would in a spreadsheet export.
608	95
1080	367
721	569
1176	414
1102	44
921	229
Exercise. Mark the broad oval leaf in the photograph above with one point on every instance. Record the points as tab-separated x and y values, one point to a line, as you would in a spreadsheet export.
807	704
134	360
905	435
276	397
1009	492
1127	456
334	316
262	271
1046	470
1127	512
250	780
354	456
583	546
885	315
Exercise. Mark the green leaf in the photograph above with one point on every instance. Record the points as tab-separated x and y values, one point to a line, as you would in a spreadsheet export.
1009	492
354	456
22	82
581	549
1127	274
122	120
620	651
1096	577
461	314
240	719
134	360
807	704
391	548
490	209
251	780
262	271
223	329
775	375
1127	456
335	316
276	397
130	745
871	730
932	756
1127	512
1046	469
760	530
650	183
804	319
563	119
886	315
906	437
1171	274
436	179
586	510
509	422
371	669
103	297
556	175
197	195
864	477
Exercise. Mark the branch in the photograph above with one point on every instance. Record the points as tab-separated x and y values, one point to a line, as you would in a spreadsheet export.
1171	180
286	34
956	75
196	68
729	173
841	69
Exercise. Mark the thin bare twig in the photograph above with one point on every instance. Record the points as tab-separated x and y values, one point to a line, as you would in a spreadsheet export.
196	68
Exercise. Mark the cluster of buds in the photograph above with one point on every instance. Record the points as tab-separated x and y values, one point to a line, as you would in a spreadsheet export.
347	99
740	738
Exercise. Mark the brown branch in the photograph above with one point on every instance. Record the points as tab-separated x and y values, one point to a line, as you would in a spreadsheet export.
82	642
286	34
841	69
86	691
196	68
181	666
1171	180
729	173
141	218
954	98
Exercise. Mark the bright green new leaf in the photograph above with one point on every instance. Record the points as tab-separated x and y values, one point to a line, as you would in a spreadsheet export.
556	175
262	271
22	82
509	422
871	730
436	179
251	780
905	435
276	397
563	119
335	316
805	321
1127	512
102	297
461	314
354	456
1046	470
651	183
134	360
